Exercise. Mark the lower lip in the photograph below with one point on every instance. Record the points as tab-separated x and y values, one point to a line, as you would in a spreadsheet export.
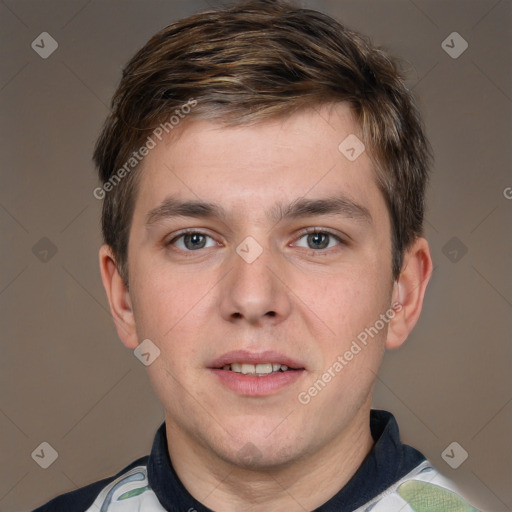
251	385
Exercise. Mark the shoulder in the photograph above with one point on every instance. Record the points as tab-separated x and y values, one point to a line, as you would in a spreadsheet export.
424	489
83	498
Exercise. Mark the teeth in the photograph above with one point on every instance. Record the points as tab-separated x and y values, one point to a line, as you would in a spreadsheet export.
260	369
235	367
264	368
248	368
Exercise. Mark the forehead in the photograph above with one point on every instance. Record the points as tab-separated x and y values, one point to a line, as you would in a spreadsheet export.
313	153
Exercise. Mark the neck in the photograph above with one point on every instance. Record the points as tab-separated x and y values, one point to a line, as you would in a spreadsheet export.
303	484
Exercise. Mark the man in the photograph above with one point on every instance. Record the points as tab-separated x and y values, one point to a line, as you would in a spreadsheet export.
263	173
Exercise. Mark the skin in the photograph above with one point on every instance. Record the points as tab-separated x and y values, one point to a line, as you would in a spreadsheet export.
306	302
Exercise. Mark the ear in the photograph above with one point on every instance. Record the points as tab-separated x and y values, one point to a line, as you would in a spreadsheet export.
408	292
118	298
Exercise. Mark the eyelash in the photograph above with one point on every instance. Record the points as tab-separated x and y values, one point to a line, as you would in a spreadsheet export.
309	231
304	233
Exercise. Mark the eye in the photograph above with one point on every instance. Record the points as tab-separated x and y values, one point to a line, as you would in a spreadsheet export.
319	240
192	241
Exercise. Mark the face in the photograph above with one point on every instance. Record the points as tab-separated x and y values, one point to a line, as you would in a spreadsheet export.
285	263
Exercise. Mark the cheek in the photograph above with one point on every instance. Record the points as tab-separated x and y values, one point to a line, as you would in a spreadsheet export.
348	300
170	308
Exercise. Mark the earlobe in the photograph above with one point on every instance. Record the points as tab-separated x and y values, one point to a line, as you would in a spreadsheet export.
118	298
409	291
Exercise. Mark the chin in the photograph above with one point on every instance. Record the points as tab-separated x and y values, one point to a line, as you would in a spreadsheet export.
262	458
261	448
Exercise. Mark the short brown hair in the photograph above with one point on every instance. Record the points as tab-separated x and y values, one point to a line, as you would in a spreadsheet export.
253	61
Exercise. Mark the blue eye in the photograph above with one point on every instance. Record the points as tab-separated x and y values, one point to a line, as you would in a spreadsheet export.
192	241
314	239
320	240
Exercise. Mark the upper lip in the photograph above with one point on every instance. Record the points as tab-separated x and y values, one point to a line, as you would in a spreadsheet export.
244	356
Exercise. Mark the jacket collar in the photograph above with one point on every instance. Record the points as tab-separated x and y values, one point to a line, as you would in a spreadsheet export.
388	461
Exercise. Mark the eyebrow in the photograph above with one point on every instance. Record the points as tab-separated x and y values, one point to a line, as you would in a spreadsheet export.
300	208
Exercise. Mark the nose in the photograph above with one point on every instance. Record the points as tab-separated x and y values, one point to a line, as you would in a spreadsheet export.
255	290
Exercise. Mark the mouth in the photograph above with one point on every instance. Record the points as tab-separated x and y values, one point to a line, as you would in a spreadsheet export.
258	370
256	374
255	363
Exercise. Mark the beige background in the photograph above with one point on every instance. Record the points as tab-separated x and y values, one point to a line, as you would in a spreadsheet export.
67	379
